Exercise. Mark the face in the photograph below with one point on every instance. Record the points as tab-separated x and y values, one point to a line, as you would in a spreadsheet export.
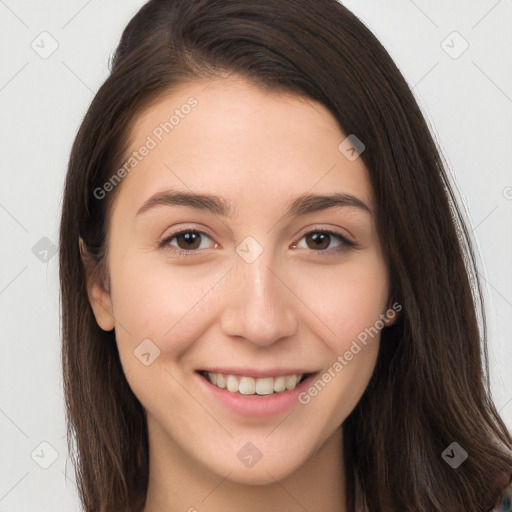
220	262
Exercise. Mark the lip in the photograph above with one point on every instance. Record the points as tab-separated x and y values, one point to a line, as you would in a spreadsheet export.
255	373
255	406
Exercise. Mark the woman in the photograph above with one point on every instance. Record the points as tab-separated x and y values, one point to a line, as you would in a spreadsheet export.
265	278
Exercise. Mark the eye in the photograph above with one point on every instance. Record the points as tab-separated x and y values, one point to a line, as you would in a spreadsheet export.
186	242
189	242
322	241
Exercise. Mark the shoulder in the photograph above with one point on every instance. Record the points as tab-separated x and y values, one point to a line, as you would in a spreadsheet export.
505	502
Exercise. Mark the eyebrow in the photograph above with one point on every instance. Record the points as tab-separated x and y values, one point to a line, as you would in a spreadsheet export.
305	203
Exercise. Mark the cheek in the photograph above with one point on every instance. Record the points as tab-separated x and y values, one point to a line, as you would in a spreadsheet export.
349	303
346	299
169	306
166	304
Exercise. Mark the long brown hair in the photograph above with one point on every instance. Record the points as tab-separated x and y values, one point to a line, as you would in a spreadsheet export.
430	386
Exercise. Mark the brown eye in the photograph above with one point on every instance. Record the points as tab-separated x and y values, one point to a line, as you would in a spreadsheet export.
318	240
325	241
186	242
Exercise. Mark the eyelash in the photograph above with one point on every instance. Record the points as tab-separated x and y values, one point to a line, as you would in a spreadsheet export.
345	242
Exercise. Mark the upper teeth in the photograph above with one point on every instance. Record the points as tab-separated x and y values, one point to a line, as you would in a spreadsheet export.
251	386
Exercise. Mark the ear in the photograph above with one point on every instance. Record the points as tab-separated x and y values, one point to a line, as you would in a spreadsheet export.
392	312
97	290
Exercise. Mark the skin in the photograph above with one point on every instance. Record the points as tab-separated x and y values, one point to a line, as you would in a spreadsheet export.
295	306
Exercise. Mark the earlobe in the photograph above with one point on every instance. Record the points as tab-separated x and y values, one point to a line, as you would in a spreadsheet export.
101	304
391	314
389	321
97	291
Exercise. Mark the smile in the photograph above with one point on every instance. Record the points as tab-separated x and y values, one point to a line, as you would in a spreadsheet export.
254	386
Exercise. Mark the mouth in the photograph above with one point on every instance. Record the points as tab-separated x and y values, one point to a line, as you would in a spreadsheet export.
258	396
254	386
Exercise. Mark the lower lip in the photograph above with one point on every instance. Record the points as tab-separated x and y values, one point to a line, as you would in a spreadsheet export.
256	406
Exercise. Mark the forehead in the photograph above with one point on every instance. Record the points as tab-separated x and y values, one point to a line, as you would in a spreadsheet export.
231	138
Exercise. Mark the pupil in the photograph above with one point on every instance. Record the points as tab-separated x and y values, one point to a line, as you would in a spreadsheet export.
190	238
319	239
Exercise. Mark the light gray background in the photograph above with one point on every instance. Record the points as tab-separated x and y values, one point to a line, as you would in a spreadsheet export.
467	100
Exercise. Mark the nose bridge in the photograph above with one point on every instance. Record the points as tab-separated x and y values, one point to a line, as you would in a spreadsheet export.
258	304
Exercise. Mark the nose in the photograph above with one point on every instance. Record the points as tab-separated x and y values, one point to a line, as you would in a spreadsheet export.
258	303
